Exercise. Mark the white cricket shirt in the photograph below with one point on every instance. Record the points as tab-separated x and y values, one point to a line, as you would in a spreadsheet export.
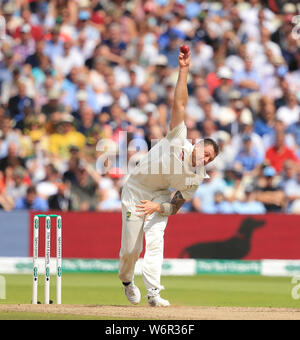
167	166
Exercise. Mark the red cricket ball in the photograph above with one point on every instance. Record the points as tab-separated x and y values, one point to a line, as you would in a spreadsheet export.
184	49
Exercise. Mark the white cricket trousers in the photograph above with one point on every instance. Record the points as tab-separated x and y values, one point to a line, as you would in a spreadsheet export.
133	230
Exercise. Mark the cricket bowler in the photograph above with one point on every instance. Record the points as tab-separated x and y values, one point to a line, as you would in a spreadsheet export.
172	165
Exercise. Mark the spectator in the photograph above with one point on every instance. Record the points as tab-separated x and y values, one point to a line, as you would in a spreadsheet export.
53	105
247	80
202	57
12	159
18	187
88	33
288	174
292	191
31	201
84	191
69	59
197	105
248	157
294	130
235	115
86	121
114	40
227	152
279	127
171	50
279	153
34	60
171	32
285	90
73	166
249	205
136	114
205	195
220	205
289	113
265	124
6	69
19	105
48	186
110	199
65	136
257	141
61	201
235	186
8	135
54	46
26	45
27	19
222	93
269	193
132	90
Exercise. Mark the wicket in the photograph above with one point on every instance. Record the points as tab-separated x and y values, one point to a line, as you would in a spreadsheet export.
36	227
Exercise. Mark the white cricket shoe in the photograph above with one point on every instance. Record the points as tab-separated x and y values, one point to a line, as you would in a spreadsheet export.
154	299
132	293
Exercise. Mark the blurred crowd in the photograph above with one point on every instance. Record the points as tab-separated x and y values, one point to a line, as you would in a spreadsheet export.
83	79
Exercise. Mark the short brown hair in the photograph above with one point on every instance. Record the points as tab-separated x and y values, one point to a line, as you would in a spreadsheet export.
210	141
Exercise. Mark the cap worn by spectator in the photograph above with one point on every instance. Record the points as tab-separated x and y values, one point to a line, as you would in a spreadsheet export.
269	171
83	4
53	94
66	118
161	60
222	136
224	73
8	8
235	95
55	29
150	108
289	8
84	15
19	172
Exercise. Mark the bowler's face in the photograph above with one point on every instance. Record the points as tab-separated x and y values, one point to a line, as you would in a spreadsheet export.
203	155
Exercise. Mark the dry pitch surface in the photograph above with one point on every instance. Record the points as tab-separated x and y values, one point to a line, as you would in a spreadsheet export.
171	313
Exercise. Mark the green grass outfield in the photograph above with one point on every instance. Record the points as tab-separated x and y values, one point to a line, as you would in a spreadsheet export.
202	290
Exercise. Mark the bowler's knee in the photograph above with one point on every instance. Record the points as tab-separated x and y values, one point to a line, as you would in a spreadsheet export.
130	255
